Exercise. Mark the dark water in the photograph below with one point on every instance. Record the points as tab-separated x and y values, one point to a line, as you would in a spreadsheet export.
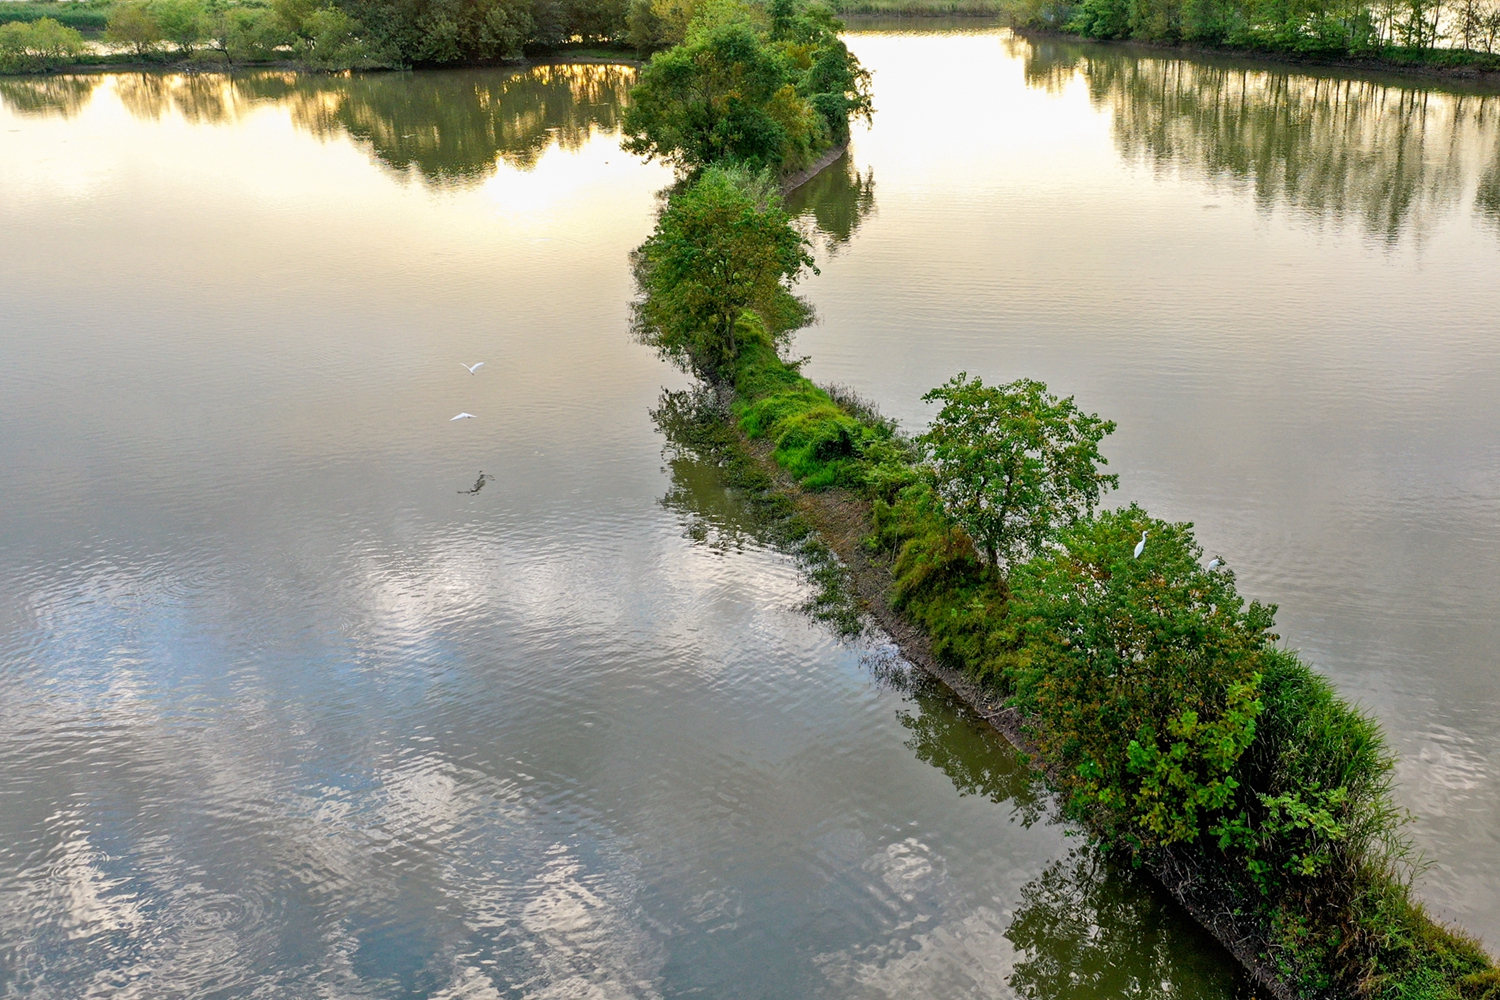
290	708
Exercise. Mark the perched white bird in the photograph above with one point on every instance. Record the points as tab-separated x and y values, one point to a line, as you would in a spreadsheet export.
1140	546
461	416
471	369
1214	563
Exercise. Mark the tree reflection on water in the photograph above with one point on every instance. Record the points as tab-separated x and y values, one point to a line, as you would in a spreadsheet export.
47	96
1089	927
450	127
1338	146
836	202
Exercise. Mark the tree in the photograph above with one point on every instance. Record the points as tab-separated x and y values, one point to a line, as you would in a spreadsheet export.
1141	675
41	45
249	34
722	246
182	22
1014	463
132	24
722	95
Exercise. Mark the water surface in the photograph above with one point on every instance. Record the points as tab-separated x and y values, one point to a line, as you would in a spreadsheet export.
295	703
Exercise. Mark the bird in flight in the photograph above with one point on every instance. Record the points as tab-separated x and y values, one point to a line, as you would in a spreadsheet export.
471	369
1140	546
479	483
461	416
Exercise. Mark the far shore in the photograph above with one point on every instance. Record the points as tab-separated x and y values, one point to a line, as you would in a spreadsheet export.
1372	66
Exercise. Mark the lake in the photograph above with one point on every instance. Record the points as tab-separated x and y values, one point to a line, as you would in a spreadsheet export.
310	691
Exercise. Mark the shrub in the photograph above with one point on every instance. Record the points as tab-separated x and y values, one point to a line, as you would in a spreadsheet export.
184	23
1141	674
38	46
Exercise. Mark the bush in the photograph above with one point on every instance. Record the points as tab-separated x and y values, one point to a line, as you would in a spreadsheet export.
1141	675
184	23
251	34
38	46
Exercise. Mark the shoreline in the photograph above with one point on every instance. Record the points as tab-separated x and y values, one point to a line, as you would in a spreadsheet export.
830	156
1373	67
189	67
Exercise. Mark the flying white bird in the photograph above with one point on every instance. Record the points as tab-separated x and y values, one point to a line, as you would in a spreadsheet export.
471	369
1214	563
461	416
1140	546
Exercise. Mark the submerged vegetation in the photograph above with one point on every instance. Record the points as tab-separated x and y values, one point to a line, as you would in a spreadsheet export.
1160	708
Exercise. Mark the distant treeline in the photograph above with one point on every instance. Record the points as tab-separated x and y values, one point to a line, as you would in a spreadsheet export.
342	34
1436	32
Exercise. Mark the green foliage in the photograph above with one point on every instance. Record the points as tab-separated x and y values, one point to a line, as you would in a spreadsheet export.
184	23
725	95
37	46
1141	676
816	440
132	23
249	34
450	32
722	246
735	90
1397	30
81	15
1014	463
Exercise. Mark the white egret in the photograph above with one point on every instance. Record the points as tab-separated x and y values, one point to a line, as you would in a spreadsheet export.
1214	563
1140	546
461	416
471	369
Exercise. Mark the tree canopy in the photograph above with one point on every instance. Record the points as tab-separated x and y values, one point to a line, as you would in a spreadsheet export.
722	246
1141	674
736	89
1014	463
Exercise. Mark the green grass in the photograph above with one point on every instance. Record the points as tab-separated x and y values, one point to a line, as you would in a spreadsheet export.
82	15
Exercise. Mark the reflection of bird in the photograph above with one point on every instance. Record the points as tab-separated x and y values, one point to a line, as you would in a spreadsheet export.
461	416
1140	546
471	369
1214	563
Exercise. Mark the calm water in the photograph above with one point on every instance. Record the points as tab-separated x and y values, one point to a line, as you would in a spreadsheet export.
288	708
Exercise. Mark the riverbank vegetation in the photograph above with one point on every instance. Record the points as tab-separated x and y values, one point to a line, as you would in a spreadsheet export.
1456	35
367	34
1169	722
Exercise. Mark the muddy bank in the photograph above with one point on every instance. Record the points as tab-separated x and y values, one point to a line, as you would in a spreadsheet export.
793	181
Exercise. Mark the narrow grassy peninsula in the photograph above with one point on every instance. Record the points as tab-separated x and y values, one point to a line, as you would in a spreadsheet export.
1149	693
